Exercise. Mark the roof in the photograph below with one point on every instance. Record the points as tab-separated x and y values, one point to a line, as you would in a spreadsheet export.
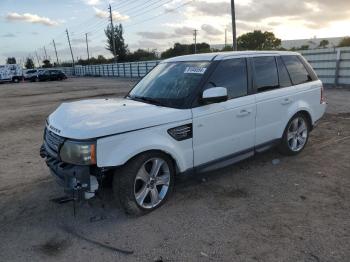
223	55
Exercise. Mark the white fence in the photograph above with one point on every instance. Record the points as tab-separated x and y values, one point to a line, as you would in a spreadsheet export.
132	69
331	64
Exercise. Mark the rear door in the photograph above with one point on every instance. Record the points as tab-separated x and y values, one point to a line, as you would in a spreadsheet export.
274	94
224	129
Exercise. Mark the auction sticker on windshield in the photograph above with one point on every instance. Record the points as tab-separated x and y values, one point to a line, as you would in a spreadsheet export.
195	70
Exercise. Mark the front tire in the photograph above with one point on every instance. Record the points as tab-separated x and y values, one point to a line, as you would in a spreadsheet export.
144	183
295	135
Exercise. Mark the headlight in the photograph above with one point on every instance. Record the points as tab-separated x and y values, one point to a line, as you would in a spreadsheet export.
79	153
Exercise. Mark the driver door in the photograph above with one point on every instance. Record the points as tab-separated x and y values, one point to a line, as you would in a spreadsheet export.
223	131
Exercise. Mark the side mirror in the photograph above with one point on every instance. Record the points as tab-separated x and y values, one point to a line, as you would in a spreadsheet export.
214	95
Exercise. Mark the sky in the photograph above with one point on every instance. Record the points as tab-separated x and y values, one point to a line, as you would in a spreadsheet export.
27	26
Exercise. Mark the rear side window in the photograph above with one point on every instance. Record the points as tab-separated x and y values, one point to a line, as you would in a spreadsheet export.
231	74
283	75
266	76
296	69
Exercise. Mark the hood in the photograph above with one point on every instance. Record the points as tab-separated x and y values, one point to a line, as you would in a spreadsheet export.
102	117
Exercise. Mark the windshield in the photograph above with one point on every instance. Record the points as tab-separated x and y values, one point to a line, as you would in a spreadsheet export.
169	84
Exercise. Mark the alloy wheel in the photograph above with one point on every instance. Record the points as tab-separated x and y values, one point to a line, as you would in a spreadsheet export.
297	134
152	183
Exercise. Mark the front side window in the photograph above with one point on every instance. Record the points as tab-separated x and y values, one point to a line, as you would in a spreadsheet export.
266	76
170	84
231	74
296	69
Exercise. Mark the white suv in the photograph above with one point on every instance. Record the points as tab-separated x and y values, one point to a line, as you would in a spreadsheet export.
190	114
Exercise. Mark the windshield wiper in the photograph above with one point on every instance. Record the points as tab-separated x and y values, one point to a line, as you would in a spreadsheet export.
148	100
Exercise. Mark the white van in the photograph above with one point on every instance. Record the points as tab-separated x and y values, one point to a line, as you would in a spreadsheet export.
11	72
190	114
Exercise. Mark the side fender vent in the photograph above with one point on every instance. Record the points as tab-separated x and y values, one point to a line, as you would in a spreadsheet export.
180	133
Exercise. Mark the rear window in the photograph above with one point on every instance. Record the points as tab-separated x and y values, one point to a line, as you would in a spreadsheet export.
266	75
296	69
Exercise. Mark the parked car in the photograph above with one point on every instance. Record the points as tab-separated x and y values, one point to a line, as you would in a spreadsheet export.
11	73
31	74
49	75
190	114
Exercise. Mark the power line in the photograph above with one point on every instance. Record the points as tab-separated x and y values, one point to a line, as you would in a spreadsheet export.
112	31
233	14
164	13
87	46
195	40
70	47
54	45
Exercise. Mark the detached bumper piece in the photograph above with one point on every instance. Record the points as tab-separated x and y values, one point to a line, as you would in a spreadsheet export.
77	181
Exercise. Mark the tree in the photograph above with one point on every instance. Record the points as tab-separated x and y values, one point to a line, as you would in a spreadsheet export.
303	47
47	64
120	47
180	49
258	40
226	48
344	42
141	55
29	63
11	61
324	43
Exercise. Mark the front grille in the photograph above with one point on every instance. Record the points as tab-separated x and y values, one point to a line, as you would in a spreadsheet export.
53	141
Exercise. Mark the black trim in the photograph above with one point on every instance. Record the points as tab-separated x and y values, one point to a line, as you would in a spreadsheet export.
180	135
224	161
231	159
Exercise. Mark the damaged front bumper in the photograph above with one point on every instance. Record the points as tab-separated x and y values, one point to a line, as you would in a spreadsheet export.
80	182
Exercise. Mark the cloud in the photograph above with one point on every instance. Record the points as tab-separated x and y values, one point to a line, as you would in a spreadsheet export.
183	31
145	44
9	35
30	18
92	2
104	14
154	35
211	30
315	13
212	8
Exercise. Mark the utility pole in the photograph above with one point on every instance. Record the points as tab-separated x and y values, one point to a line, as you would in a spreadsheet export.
112	29
37	58
225	37
195	40
87	46
45	53
70	47
54	45
233	14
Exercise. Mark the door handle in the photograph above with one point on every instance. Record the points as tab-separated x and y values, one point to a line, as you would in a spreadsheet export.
286	101
244	112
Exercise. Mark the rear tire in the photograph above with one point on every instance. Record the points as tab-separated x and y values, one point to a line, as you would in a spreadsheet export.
144	183
295	135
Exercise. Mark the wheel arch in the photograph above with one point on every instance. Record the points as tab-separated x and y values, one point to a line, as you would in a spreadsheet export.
175	163
307	116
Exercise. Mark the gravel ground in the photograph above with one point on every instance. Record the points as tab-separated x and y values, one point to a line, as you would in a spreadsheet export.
294	210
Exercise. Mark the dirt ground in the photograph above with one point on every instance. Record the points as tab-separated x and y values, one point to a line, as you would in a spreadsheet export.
294	210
